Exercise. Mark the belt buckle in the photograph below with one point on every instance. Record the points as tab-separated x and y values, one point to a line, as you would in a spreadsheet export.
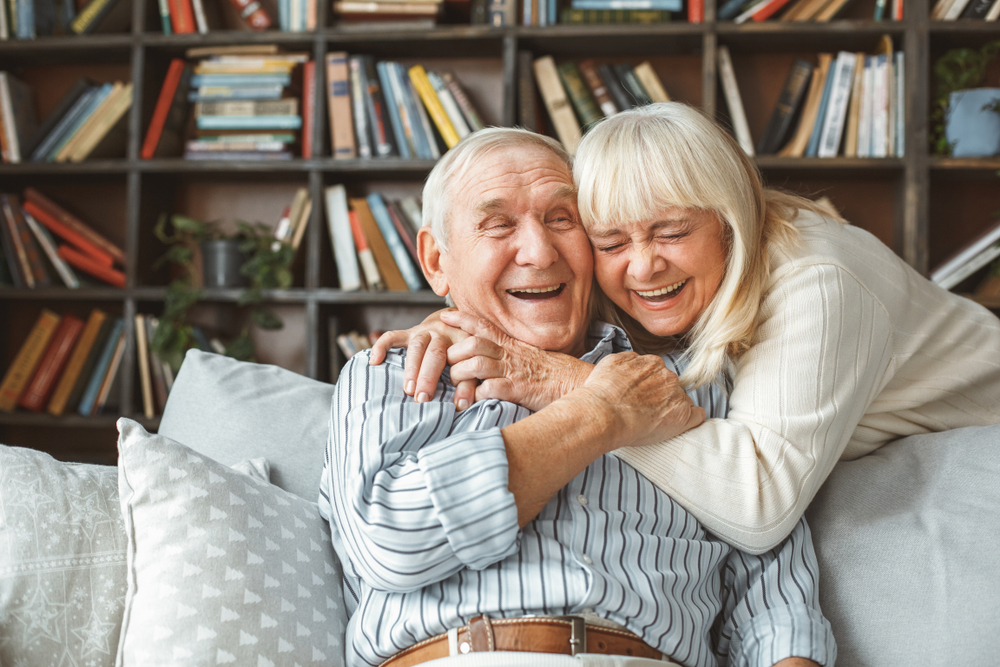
578	633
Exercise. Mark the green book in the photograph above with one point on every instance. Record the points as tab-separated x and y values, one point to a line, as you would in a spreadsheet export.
587	111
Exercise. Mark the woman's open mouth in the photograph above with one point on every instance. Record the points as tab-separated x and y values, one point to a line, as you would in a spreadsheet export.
662	293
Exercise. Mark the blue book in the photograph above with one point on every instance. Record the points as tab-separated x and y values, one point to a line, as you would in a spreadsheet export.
663	5
249	122
730	9
89	397
223	93
812	148
241	80
25	19
396	247
46	145
95	101
420	139
386	78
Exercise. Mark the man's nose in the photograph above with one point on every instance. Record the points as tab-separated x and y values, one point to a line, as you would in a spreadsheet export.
536	247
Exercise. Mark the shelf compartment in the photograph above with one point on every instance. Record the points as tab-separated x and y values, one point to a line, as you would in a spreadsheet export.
58	50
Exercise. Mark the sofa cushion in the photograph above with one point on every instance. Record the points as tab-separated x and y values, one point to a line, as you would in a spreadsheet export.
233	410
222	567
908	539
62	561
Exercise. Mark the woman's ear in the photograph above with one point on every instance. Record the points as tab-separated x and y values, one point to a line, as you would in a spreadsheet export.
430	261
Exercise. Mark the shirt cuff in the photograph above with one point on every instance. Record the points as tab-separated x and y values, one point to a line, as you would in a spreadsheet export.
796	630
467	481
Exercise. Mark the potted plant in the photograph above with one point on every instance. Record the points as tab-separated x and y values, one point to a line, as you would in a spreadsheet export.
263	263
965	119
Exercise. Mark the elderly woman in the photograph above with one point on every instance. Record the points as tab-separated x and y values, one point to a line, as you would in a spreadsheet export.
833	345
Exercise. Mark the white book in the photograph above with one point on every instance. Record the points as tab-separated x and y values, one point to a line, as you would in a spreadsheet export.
836	110
358	82
970	267
953	264
994	12
890	106
955	10
900	72
48	244
342	238
867	99
199	16
880	118
450	105
735	101
4	29
411	207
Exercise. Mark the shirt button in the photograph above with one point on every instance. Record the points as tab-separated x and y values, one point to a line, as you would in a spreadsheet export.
587	559
582	499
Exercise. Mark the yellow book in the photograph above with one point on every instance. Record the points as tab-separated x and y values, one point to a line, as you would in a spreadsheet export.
77	360
651	82
797	145
145	378
121	104
93	119
557	103
854	112
433	105
23	366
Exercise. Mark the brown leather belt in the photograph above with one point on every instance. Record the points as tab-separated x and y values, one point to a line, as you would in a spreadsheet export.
568	635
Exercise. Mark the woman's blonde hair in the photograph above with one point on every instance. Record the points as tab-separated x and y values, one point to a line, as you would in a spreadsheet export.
639	162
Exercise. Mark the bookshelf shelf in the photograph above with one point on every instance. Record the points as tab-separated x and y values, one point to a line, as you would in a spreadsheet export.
920	205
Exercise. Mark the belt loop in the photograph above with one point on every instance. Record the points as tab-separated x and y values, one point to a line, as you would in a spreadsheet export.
481	634
453	641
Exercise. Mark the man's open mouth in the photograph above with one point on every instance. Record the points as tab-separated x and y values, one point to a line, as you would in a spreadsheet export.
663	293
535	293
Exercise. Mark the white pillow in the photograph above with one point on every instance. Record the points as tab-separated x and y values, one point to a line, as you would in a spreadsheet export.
222	568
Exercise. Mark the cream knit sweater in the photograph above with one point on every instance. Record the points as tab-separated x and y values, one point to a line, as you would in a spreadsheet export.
854	349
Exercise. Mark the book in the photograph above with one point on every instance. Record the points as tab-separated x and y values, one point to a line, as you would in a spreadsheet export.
449	105
65	123
733	100
664	5
469	111
587	111
404	228
970	267
377	110
365	258
421	83
299	225
145	372
696	11
91	267
614	86
12	260
387	267
358	84
812	146
557	103
23	366
395	111
29	253
830	10
90	336
977	9
309	107
651	82
789	103
17	116
164	10
48	245
501	13
854	111
43	382
100	108
63	106
64	224
88	399
426	144
156	367
761	11
395	243
588	69
796	146
108	136
181	16
165	132
341	238
95	102
339	104
110	379
411	207
899	111
955	261
633	87
570	16
102	16
840	95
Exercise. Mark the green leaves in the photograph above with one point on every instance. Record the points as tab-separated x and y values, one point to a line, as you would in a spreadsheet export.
957	69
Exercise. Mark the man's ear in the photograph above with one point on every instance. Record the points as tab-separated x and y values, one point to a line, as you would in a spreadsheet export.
430	261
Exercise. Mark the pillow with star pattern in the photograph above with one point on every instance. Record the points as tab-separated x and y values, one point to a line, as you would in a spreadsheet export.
222	568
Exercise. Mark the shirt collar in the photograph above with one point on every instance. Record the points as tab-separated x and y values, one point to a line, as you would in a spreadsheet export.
604	339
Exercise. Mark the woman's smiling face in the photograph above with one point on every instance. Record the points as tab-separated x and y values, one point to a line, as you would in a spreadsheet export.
663	271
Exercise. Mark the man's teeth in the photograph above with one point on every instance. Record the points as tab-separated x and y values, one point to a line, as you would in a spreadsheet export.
534	290
663	290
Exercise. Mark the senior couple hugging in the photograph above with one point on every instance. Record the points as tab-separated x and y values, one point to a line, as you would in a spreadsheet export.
522	487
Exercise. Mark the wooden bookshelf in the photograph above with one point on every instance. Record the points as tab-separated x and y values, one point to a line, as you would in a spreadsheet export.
922	206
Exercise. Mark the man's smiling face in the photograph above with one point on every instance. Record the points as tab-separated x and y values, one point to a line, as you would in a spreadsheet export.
517	253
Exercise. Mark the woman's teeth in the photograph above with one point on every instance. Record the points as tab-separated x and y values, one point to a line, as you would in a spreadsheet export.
662	291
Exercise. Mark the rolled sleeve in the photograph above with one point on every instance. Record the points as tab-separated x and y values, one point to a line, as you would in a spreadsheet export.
795	630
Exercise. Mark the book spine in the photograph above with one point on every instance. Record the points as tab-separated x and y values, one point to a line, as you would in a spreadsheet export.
651	82
900	111
309	112
86	264
52	364
501	12
284	107
468	109
696	11
833	125
21	264
244	79
854	110
76	363
145	374
365	257
163	103
249	122
32	251
73	223
662	5
867	99
362	137
341	238
557	103
395	243
103	125
55	135
449	105
391	274
632	85
378	112
589	71
8	125
614	86
201	23
25	19
181	16
395	119
110	376
418	77
48	246
587	111
100	369
812	147
164	7
74	131
24	364
69	234
160	390
10	253
341	121
422	125
735	102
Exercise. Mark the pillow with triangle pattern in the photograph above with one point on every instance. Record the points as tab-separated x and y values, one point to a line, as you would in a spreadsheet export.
223	568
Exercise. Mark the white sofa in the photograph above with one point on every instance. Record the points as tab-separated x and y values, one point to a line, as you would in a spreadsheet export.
198	563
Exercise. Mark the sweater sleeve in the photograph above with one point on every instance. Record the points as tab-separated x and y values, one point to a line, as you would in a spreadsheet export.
823	352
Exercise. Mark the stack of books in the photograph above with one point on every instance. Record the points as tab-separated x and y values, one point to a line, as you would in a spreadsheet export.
374	241
850	104
951	10
41	238
66	364
398	13
577	95
241	107
27	19
818	11
384	109
202	16
602	11
89	121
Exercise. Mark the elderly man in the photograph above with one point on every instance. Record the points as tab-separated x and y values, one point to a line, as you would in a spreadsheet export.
481	530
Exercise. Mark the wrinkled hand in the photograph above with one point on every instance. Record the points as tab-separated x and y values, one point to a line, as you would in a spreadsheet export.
427	347
642	401
508	369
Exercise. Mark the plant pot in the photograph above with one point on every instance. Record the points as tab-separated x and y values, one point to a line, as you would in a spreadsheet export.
221	261
971	129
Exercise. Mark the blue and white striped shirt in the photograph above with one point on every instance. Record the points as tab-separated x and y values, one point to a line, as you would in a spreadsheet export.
416	494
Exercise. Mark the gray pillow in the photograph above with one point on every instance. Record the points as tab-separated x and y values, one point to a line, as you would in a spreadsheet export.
908	540
233	410
62	561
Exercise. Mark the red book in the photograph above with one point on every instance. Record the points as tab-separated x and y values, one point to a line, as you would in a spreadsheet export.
253	13
309	103
768	9
86	263
53	362
68	220
71	236
162	108
181	16
696	11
